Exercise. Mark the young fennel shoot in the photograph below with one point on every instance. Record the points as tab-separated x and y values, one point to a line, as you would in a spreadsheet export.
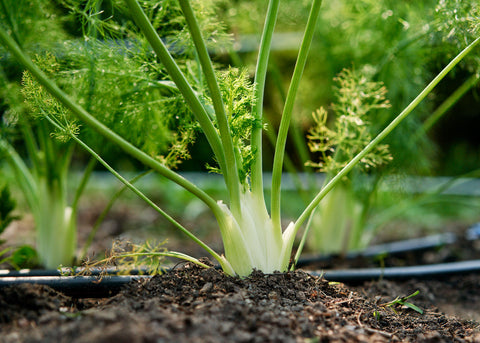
252	239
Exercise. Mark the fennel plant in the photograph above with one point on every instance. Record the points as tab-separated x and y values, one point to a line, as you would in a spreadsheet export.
42	179
343	221
338	223
253	235
40	165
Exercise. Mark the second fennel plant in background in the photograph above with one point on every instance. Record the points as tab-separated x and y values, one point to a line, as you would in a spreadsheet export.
252	234
343	217
337	225
42	179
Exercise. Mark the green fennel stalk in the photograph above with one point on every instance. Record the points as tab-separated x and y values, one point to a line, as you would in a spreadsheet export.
257	110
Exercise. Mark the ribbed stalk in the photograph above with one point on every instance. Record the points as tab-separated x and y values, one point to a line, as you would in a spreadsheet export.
287	112
231	172
257	110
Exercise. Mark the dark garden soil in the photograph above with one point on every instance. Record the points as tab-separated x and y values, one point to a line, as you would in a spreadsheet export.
190	304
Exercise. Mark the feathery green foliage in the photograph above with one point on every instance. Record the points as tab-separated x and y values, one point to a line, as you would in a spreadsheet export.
39	101
32	23
357	98
126	257
238	97
456	23
41	173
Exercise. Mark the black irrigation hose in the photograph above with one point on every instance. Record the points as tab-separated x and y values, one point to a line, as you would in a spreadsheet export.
56	272
430	271
400	247
76	286
96	287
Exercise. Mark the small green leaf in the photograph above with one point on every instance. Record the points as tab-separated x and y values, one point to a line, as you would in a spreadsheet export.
413	307
403	302
24	257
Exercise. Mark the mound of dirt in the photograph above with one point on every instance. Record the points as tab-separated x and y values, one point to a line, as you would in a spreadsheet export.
190	304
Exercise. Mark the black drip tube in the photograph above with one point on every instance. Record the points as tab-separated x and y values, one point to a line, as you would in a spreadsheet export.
96	286
76	286
431	271
399	247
